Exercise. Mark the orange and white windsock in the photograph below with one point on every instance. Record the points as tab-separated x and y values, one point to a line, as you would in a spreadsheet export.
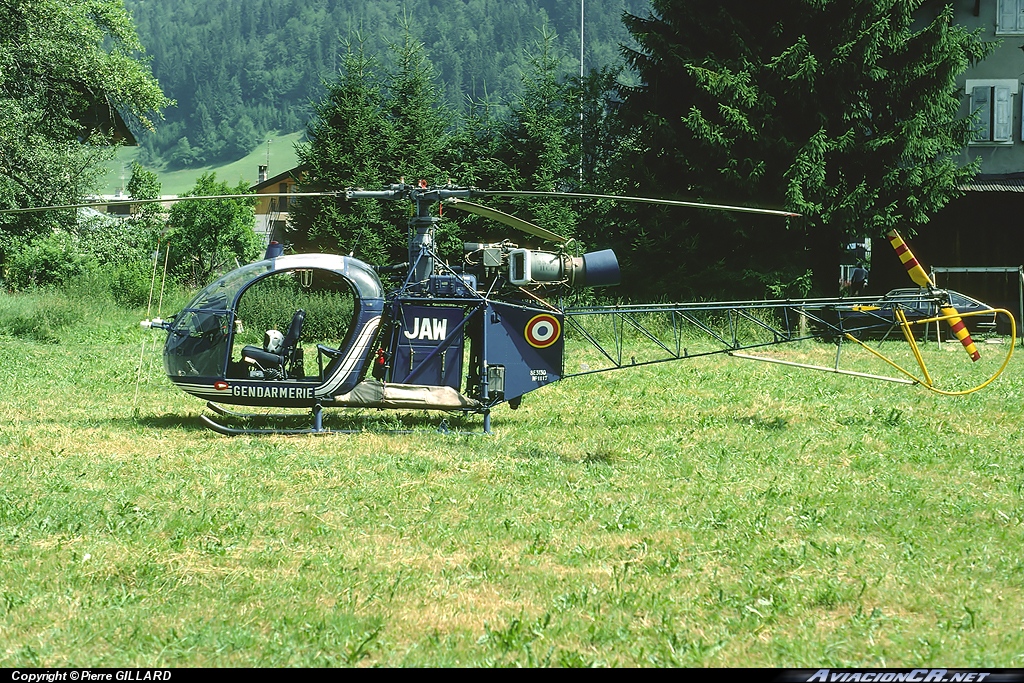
921	279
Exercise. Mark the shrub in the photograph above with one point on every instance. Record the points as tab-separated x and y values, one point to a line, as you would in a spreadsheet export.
40	316
123	241
130	284
50	260
269	305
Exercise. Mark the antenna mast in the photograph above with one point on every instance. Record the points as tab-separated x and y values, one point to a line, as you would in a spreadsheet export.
582	4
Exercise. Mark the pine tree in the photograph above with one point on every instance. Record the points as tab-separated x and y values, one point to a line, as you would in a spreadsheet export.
537	146
367	133
421	122
350	140
841	110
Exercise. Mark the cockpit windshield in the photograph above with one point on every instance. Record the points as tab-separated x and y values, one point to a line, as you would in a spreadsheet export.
220	294
198	342
197	345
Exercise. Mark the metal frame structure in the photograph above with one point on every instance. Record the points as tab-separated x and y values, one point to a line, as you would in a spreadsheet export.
989	269
657	332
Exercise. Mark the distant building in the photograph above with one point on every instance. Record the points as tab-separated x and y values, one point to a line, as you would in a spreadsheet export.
103	117
119	203
272	212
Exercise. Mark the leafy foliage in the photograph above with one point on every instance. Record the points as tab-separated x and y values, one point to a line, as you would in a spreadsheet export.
208	236
65	67
49	260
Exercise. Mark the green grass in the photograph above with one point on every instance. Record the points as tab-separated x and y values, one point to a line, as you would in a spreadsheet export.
282	158
702	513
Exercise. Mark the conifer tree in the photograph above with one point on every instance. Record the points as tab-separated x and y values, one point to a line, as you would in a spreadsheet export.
842	110
368	133
537	145
541	138
350	140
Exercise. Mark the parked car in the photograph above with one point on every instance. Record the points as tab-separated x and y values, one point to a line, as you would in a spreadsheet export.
858	318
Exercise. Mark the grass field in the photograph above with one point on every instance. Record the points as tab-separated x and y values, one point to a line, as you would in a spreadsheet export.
282	158
703	513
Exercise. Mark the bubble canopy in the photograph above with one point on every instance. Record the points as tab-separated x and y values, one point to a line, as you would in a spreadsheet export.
199	342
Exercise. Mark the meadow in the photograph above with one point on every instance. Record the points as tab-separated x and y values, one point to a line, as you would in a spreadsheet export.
703	513
280	156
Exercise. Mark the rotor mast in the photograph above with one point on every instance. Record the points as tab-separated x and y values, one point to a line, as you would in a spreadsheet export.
422	224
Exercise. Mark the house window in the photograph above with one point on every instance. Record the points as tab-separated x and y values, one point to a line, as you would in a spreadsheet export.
992	106
284	200
1010	17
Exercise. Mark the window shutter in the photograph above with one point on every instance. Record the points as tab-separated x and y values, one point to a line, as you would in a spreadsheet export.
982	108
1002	114
1009	12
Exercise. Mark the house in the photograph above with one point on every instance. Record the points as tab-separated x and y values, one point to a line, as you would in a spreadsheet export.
103	117
272	212
978	231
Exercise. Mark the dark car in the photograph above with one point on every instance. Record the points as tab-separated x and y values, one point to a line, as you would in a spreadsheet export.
867	318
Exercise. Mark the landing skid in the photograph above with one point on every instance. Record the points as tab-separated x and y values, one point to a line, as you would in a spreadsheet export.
234	431
221	410
316	429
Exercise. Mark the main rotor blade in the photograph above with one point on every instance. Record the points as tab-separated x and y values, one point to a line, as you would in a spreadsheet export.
168	200
921	279
507	219
638	200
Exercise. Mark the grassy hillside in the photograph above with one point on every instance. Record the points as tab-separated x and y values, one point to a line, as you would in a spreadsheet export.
702	513
282	158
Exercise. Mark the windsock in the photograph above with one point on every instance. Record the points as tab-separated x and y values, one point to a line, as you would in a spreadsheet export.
921	279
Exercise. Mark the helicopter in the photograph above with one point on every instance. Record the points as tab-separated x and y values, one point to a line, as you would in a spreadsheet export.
463	338
467	338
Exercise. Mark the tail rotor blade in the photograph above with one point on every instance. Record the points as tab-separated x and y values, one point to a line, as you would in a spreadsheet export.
921	279
956	324
914	269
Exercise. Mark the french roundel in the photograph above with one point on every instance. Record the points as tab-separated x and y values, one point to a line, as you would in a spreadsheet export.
543	330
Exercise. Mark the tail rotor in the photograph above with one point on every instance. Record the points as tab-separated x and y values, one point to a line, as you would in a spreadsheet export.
921	279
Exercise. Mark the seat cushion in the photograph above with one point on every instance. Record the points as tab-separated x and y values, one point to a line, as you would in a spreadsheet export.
263	358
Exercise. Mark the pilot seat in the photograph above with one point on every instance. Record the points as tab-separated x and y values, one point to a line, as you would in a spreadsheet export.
280	357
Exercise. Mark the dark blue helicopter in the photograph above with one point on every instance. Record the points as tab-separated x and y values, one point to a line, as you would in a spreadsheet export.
406	347
470	337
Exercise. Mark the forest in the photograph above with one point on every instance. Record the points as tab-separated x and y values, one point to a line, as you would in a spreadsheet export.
238	70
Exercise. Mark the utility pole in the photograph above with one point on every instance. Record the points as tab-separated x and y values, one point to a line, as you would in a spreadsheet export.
582	4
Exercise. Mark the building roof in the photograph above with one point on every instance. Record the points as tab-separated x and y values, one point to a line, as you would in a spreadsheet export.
996	182
290	174
104	117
